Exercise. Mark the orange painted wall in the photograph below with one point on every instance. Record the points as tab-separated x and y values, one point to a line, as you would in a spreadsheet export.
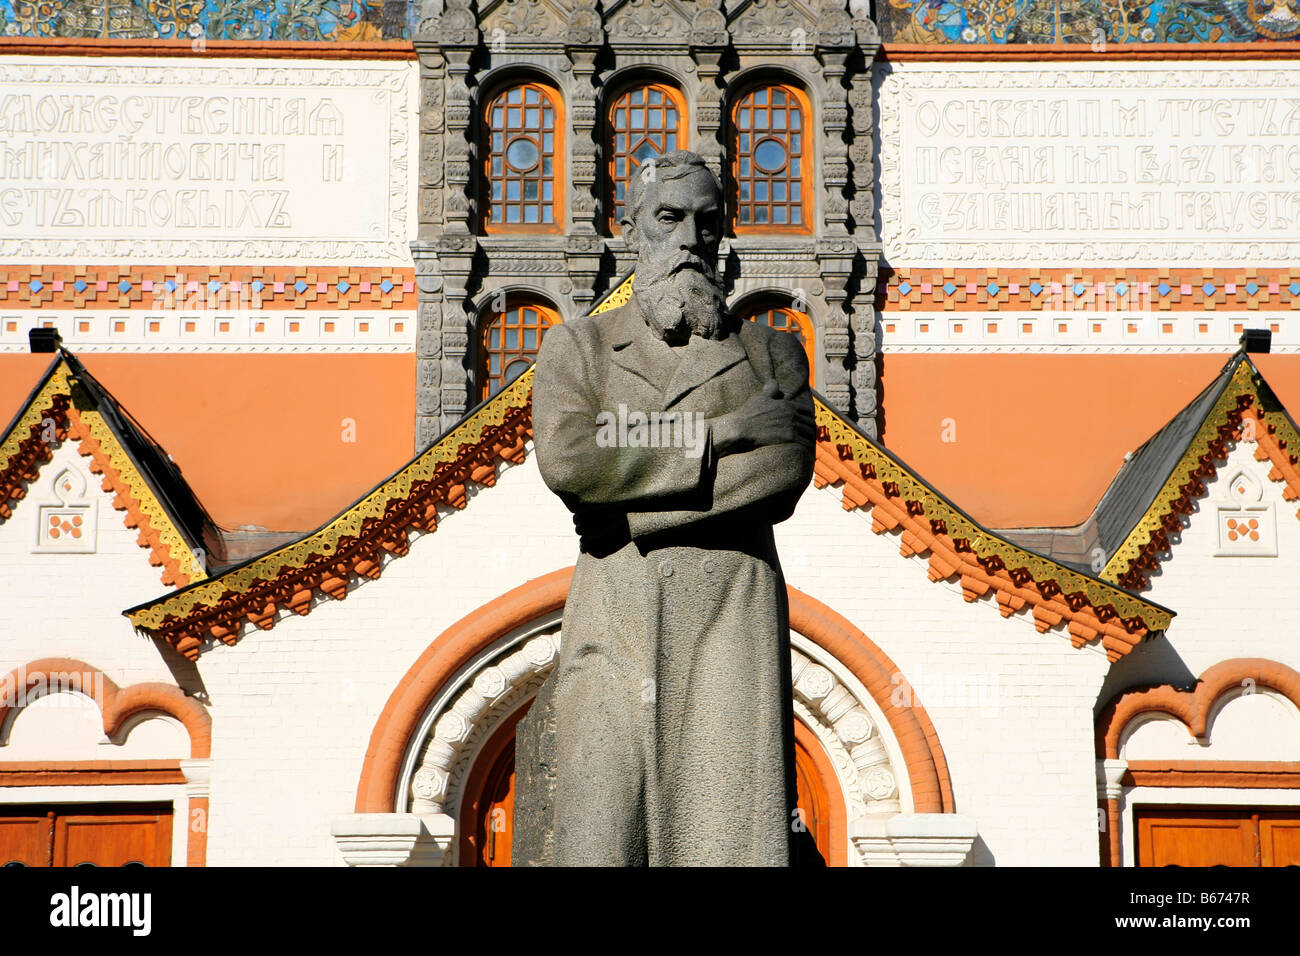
259	437
1039	437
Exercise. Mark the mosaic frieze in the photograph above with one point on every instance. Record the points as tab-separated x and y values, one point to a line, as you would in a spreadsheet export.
342	21
1093	22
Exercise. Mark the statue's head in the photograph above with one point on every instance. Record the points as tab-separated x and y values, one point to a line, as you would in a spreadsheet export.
673	221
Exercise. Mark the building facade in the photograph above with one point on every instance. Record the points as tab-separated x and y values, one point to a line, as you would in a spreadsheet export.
1038	587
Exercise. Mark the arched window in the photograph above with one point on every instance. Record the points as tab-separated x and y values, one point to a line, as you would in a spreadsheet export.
644	122
524	127
509	344
771	159
788	320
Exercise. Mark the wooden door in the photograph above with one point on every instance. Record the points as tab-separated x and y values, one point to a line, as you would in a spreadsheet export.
1279	839
86	836
128	838
26	837
1240	836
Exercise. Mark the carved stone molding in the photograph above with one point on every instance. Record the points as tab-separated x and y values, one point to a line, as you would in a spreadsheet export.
506	676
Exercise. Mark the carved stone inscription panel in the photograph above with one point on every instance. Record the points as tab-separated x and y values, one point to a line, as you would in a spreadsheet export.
1153	162
156	159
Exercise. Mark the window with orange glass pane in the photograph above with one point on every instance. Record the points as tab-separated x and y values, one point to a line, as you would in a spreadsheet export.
523	126
644	122
509	345
789	320
771	161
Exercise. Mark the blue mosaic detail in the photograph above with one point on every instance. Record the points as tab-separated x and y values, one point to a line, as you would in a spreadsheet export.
80	285
386	286
1121	288
1163	288
340	21
343	286
36	285
124	287
1208	288
1086	21
1252	288
1035	287
214	285
300	287
1294	288
1079	288
170	285
993	288
258	285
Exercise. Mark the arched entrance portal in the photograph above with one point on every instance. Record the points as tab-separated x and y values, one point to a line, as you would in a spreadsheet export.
487	808
438	749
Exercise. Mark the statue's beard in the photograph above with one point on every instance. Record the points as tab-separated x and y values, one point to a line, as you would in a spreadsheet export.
683	300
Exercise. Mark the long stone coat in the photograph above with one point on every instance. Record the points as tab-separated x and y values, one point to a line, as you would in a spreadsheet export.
664	735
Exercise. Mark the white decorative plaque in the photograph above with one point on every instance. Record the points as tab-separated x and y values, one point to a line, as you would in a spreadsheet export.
149	160
1149	163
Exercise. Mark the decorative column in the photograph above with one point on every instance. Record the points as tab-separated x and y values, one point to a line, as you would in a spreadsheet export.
198	790
583	245
428	273
708	44
862	219
1110	791
836	251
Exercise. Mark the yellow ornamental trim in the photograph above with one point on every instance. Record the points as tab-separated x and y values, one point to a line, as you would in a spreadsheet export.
984	543
1241	383
169	536
325	542
34	414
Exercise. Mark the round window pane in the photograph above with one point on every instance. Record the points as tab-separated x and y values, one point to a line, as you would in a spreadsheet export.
769	155
515	369
522	153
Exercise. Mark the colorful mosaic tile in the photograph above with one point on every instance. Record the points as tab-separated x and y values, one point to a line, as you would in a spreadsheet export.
1101	289
342	21
1088	21
205	287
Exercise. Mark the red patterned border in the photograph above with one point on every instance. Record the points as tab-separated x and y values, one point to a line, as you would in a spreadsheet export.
1091	290
205	287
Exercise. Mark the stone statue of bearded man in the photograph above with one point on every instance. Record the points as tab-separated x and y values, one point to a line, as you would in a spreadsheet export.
664	736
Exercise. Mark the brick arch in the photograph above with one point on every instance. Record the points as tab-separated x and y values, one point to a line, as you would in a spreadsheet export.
459	644
1192	706
118	705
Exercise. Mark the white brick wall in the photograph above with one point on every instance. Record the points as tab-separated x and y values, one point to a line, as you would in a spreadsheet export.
294	707
70	605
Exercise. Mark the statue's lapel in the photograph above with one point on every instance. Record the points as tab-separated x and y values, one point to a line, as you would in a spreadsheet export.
702	361
637	350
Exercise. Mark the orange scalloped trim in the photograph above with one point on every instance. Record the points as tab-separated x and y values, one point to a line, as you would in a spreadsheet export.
295	589
123	500
24	465
1012	589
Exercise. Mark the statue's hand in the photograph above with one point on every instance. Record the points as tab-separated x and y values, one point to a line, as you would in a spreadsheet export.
766	419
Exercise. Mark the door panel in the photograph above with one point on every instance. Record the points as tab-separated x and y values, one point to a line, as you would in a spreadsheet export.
1240	836
1279	838
104	835
113	839
25	837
